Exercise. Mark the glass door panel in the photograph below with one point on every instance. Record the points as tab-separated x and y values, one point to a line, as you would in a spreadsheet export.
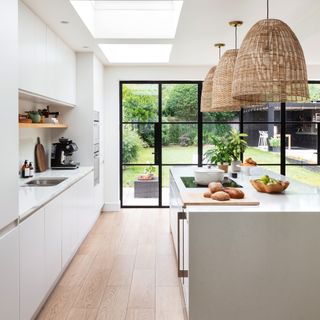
138	144
137	189
180	102
140	102
179	143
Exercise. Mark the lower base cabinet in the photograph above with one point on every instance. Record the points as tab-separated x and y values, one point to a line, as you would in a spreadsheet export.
32	264
9	275
48	240
53	240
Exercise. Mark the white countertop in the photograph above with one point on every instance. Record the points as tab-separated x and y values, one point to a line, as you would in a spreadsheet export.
32	198
298	197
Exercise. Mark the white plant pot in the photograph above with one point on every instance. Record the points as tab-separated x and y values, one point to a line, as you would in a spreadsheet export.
235	166
204	176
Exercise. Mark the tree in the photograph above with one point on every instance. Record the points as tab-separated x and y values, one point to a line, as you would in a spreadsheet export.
181	102
139	106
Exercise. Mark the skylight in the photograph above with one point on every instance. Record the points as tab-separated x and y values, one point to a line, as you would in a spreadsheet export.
130	19
137	53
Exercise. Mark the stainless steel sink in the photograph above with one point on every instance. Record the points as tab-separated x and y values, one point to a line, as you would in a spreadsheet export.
44	182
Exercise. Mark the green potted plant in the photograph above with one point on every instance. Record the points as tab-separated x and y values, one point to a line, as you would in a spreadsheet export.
219	153
236	145
274	144
148	173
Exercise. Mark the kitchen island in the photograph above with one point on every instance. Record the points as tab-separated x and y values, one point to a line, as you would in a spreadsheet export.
248	262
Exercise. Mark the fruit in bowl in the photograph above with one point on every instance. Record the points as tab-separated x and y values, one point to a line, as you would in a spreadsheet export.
249	162
267	184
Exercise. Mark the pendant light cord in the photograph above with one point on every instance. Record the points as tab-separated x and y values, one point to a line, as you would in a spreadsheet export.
268	9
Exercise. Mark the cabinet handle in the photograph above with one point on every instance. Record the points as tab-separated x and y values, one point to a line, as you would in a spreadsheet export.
181	272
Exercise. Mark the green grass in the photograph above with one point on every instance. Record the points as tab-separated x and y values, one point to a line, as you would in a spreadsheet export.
177	154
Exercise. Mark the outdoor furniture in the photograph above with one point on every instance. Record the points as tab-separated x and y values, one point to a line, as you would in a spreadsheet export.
288	136
146	188
263	139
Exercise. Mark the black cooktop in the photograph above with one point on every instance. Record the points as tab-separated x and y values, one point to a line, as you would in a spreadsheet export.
226	182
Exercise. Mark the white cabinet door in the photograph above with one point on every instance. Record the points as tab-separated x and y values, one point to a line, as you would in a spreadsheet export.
26	49
185	281
9	275
47	66
69	224
53	234
32	51
65	68
51	63
86	213
32	264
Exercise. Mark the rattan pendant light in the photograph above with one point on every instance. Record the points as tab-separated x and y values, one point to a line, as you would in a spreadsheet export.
270	66
206	94
222	99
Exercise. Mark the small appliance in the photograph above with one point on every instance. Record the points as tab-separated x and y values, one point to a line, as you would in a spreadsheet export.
61	155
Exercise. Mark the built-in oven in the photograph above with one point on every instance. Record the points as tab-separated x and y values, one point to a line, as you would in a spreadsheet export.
96	147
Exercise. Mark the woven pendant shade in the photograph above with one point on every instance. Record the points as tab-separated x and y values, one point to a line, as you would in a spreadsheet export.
270	66
206	95
222	99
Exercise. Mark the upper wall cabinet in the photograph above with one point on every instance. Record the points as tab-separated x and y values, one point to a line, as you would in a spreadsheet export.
47	66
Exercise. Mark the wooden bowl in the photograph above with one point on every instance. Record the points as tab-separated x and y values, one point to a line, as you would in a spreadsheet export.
271	188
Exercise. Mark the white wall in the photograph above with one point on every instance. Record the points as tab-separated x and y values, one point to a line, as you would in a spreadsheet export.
9	111
313	72
111	119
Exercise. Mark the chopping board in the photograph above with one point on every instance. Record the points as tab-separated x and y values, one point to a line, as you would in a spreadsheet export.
40	156
197	199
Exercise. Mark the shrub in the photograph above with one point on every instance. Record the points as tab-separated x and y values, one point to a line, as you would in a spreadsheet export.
185	141
131	145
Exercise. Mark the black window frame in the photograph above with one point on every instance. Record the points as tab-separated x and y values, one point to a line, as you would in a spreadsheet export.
200	122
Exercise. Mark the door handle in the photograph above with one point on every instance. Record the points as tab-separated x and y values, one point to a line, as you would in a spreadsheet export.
181	272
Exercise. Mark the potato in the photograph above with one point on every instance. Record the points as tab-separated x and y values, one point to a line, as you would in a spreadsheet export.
215	186
234	193
207	194
220	196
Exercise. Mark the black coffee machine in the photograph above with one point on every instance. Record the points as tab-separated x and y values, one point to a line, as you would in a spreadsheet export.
61	155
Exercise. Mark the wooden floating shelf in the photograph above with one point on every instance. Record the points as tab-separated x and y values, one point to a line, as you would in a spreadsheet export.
43	125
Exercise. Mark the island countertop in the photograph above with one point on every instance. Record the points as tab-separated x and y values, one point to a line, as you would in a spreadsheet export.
33	198
299	197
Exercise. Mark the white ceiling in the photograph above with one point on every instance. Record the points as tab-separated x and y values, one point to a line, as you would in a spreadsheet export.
202	23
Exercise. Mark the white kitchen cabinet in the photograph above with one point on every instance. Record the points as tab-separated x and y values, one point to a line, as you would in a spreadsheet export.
53	239
32	264
86	213
69	224
47	66
9	275
9	211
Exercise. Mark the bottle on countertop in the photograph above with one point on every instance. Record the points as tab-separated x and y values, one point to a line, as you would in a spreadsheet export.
31	170
25	171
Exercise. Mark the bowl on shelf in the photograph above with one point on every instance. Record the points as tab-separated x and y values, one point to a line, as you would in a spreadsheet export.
270	188
204	176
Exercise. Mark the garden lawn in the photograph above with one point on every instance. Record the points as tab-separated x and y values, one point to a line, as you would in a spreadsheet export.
177	154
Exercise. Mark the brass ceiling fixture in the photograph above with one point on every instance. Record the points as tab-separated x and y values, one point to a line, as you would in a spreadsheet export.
270	66
222	100
206	94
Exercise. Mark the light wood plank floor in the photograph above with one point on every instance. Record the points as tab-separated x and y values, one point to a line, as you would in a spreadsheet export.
124	270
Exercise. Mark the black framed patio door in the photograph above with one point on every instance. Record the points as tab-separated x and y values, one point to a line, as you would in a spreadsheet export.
160	127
